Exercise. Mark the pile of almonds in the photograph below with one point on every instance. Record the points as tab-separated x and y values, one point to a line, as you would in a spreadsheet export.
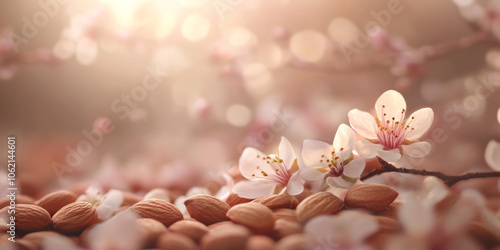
271	222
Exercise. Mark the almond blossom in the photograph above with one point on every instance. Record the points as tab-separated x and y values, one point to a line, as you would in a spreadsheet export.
105	204
334	162
119	232
269	173
389	135
348	230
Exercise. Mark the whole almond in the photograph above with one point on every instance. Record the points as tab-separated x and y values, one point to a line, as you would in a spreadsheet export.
158	193
285	213
298	242
277	201
160	210
54	201
234	199
228	237
206	209
193	229
150	230
318	204
28	217
255	216
130	199
74	217
372	197
175	241
283	228
260	242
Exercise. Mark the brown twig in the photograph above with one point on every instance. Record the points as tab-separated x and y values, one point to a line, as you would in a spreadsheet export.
428	52
449	180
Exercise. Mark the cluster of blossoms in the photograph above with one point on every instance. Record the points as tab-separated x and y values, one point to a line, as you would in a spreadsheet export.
388	135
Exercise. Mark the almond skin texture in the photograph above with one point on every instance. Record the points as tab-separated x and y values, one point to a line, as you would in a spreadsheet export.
277	201
206	209
372	197
228	237
193	229
74	217
54	201
255	216
29	218
285	213
160	210
318	204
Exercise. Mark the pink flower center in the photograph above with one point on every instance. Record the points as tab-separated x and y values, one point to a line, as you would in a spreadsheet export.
280	174
391	131
334	163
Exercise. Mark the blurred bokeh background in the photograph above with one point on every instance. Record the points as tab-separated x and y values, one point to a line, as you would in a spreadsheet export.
230	74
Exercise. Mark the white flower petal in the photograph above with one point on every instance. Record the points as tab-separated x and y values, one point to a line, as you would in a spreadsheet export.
338	182
366	149
354	168
417	149
312	150
421	123
321	226
492	155
253	189
295	185
498	116
312	174
344	138
104	212
252	162
119	232
389	155
179	203
286	152
114	199
53	242
363	123
416	217
433	190
391	103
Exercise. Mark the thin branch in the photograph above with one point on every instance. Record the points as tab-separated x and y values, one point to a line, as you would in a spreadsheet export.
449	180
429	52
